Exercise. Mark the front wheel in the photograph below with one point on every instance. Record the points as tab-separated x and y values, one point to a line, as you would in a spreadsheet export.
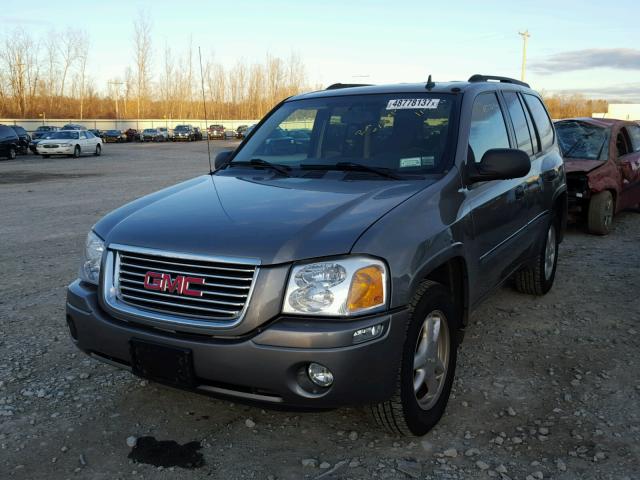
427	365
600	215
76	151
98	150
12	154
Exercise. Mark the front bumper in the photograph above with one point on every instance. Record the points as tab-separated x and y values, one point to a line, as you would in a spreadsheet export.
267	365
54	151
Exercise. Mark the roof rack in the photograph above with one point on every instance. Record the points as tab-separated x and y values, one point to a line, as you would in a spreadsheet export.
336	86
485	78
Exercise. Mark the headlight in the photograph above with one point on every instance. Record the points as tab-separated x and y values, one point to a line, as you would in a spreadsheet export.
342	287
90	267
64	144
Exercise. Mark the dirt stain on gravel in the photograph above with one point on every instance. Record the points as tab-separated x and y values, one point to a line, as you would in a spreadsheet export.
167	453
34	177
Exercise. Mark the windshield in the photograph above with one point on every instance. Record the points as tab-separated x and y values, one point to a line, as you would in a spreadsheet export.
149	130
403	133
182	127
113	132
582	140
65	135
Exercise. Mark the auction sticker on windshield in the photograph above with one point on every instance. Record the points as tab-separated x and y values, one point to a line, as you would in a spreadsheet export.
421	103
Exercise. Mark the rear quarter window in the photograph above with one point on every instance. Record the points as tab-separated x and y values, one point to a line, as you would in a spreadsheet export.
541	120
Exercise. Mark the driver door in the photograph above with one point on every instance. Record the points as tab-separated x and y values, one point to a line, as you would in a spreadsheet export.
628	162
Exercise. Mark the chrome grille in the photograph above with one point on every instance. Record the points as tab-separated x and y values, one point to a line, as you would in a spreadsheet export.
225	291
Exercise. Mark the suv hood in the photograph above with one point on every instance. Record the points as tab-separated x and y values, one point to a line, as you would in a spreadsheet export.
274	220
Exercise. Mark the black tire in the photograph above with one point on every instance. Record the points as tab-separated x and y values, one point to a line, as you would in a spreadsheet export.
98	151
600	215
402	414
12	154
536	279
76	152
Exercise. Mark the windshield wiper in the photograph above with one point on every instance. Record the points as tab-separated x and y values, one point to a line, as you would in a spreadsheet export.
258	162
577	143
354	167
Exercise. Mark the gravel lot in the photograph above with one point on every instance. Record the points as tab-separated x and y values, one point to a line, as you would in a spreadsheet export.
546	387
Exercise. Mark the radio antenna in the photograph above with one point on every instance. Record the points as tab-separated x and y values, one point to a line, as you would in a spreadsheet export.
204	103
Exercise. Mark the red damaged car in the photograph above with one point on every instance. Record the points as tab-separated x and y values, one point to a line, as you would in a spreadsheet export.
602	162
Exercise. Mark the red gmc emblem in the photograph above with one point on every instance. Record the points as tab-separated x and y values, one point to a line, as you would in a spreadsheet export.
163	282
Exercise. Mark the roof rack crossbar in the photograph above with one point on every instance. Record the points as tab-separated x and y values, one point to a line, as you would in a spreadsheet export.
336	86
485	78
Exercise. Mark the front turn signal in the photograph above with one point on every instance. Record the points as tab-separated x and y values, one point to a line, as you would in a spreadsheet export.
367	289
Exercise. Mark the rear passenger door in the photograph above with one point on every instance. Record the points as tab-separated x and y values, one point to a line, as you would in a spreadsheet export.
498	207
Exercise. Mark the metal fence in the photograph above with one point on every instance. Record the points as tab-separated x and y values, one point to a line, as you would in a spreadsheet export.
30	124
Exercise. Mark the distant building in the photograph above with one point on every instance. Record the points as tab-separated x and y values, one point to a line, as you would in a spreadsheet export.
621	111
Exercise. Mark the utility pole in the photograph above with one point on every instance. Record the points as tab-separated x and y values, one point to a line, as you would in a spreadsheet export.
525	38
117	87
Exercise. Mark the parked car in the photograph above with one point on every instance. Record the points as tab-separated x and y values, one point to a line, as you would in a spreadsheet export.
602	161
197	134
166	134
71	143
97	133
216	132
23	139
115	136
229	134
183	132
337	275
33	145
9	142
42	131
132	135
73	126
248	130
240	131
151	135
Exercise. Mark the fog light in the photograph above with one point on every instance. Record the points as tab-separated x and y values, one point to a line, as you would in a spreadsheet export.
320	375
368	333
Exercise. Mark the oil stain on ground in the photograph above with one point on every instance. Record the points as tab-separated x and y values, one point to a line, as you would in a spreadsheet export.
21	176
167	453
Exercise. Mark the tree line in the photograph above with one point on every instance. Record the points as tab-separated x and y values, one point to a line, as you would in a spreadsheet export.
49	77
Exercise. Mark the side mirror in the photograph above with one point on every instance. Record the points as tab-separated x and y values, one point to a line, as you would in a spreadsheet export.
222	159
500	164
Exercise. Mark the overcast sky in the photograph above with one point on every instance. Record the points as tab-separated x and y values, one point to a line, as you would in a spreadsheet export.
585	46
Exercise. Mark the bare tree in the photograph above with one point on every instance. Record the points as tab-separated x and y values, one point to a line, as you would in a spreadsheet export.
21	66
68	44
83	57
142	57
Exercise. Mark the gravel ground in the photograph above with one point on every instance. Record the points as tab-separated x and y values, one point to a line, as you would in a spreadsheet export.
546	387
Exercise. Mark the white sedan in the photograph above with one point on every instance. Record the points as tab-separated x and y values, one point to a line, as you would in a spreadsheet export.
72	143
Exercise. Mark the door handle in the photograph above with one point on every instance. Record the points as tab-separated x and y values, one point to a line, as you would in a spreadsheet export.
519	192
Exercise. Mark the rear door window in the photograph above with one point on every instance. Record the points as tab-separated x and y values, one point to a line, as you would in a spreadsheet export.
488	129
541	119
519	121
634	133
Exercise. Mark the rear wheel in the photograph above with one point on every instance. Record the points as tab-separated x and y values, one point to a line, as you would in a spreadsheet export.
537	279
427	366
600	216
98	150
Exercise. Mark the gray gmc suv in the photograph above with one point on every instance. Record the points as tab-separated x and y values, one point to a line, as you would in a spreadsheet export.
335	256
